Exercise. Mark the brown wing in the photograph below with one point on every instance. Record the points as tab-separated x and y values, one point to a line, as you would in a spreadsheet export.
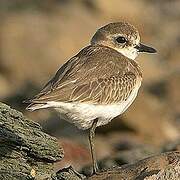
86	79
105	91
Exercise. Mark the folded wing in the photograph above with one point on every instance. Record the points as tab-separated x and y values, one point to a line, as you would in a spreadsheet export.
84	79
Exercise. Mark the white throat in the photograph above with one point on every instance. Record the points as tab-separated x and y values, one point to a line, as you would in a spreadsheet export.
129	52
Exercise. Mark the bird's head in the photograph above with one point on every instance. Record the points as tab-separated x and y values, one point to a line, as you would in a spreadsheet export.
122	37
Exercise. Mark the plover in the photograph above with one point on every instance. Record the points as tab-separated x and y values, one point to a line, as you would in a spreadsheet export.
99	83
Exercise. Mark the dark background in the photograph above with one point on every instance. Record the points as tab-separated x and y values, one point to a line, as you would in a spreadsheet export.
38	36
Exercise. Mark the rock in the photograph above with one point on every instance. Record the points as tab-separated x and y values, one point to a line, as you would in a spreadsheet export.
156	166
171	172
165	166
25	151
68	174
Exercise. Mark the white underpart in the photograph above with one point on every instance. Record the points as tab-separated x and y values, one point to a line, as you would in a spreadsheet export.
129	52
83	114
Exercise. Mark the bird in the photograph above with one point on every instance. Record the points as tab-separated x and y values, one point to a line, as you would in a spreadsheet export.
99	83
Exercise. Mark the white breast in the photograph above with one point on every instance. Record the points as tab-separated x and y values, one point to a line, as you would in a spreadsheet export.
83	114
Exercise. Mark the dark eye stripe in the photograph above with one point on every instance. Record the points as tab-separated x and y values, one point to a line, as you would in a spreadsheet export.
121	39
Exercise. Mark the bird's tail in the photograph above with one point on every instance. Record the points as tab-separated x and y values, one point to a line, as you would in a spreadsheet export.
36	106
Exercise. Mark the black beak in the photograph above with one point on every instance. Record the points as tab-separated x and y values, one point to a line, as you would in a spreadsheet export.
143	48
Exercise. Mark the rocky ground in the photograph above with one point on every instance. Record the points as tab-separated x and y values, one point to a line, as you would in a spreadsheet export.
36	37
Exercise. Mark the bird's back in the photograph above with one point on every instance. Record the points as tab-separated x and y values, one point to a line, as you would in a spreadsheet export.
90	77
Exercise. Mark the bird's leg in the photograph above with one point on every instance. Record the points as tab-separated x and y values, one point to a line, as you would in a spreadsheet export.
92	147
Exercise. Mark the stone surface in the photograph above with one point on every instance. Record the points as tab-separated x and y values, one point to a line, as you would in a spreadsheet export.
163	165
68	174
25	150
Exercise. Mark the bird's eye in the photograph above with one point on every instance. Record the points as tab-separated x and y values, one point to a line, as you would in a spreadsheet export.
121	39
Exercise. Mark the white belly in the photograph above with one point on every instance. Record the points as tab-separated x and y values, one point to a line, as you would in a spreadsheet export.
83	114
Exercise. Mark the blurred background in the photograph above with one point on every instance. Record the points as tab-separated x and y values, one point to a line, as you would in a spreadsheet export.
38	36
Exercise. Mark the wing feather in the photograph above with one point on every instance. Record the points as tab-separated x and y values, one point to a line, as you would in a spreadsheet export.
84	79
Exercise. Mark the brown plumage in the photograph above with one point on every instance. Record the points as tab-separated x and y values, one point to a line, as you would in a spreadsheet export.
99	83
84	79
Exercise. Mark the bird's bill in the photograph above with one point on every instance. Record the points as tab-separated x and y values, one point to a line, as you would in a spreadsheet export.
144	48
